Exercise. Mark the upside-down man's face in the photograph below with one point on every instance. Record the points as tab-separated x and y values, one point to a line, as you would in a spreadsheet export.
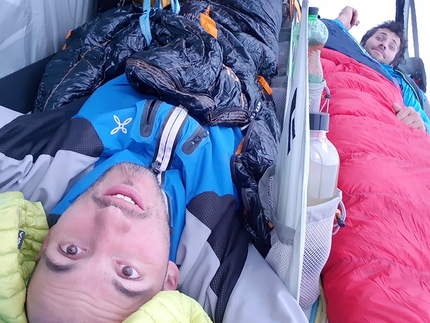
383	45
107	254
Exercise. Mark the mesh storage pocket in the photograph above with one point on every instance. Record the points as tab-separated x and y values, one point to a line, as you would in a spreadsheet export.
279	256
318	238
282	239
317	244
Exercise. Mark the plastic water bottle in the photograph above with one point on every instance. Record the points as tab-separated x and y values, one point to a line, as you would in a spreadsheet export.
323	163
317	37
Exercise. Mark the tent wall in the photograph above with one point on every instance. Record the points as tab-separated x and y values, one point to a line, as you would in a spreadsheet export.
32	30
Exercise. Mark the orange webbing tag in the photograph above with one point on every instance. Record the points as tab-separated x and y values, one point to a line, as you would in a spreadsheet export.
69	33
265	85
239	148
295	4
164	3
208	24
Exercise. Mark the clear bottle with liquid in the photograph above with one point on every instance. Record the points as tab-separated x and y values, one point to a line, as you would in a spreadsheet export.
323	163
317	37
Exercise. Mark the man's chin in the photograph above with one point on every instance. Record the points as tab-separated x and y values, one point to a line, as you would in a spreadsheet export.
376	54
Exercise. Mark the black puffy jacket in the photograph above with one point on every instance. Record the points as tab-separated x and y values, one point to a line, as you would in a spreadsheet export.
94	54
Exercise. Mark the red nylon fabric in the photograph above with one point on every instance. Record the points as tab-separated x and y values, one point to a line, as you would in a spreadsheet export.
379	266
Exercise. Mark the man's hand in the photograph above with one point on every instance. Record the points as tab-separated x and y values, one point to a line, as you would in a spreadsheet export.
348	17
409	117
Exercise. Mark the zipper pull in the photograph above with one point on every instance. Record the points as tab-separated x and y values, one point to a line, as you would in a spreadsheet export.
155	167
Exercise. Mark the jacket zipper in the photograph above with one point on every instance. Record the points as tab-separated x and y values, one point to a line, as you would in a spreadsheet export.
167	140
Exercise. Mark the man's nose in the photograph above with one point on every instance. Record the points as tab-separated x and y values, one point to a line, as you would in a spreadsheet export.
382	45
112	222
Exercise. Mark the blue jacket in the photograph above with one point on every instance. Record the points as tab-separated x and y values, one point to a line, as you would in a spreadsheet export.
140	129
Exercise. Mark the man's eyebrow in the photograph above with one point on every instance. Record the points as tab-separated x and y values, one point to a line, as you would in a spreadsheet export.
56	268
128	292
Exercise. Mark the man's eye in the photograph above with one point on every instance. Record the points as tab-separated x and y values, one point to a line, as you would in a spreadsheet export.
129	272
71	249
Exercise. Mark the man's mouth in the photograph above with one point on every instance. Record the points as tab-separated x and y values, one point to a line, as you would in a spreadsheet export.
124	193
128	202
380	52
125	198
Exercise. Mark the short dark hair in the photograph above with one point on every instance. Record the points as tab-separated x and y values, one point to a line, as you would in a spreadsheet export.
395	27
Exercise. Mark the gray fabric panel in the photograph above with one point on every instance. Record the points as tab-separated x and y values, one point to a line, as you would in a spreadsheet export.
7	115
47	179
260	296
12	171
197	263
228	240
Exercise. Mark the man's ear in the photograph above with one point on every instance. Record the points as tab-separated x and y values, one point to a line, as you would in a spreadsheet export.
172	277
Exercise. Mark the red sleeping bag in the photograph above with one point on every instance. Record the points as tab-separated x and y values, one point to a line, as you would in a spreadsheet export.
379	266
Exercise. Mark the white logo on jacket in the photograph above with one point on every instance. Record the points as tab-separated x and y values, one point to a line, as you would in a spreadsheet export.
120	125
